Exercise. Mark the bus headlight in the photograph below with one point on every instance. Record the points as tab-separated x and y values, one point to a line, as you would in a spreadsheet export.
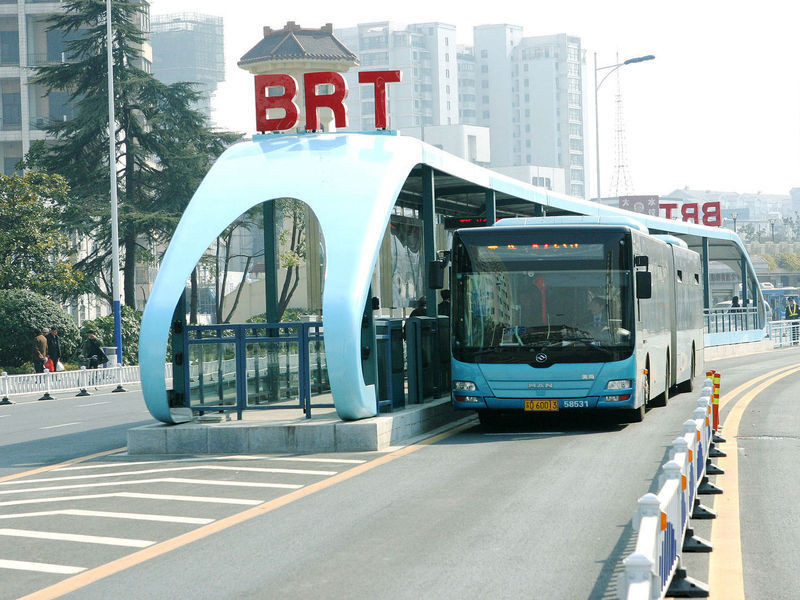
619	384
464	386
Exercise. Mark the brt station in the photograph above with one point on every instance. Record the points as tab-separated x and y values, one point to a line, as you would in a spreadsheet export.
385	207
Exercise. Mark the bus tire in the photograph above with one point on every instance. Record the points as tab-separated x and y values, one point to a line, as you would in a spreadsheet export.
688	385
636	415
664	397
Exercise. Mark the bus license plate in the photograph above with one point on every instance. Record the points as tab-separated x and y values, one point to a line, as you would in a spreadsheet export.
551	405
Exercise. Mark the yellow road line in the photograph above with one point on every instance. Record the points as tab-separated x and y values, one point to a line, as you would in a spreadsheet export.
72	461
91	576
726	579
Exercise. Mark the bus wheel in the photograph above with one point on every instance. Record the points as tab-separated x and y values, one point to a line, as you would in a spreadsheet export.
636	415
688	385
664	398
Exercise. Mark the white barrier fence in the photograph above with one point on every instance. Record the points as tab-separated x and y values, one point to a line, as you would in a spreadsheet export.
47	382
662	519
784	333
18	385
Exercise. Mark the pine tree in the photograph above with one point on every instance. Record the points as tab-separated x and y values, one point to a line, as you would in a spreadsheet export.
163	146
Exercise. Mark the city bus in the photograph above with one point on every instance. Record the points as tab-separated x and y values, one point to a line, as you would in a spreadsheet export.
559	313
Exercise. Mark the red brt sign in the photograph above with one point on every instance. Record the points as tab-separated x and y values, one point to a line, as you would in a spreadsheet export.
315	100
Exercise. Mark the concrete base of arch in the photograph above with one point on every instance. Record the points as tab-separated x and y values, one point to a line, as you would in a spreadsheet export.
280	431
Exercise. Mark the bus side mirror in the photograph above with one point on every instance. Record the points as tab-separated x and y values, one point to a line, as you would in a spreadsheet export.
644	285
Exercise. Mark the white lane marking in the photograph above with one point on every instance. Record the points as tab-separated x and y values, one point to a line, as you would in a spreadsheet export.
169	469
62	425
4	416
108	465
111	515
72	537
177	498
321	460
19	565
174	497
92	404
283	486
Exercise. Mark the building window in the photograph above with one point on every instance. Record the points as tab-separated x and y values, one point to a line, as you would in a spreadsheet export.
446	71
484	83
446	56
484	68
446	39
484	54
485	99
527	81
486	114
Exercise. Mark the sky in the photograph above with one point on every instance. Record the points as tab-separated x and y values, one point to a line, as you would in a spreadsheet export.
718	109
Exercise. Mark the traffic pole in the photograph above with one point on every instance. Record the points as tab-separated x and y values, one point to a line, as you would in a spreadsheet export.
715	400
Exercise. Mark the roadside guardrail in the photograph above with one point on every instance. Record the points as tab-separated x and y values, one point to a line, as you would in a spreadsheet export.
784	333
66	381
653	570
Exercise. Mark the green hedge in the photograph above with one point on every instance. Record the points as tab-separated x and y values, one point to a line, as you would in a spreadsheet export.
23	314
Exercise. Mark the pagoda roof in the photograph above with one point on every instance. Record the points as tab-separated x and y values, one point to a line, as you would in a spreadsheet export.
294	42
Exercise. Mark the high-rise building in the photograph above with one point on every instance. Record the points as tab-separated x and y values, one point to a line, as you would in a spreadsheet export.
425	53
189	47
26	43
529	91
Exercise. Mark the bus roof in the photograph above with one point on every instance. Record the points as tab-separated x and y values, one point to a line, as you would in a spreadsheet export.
574	220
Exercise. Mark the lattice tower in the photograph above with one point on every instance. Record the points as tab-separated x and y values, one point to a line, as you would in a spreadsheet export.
621	183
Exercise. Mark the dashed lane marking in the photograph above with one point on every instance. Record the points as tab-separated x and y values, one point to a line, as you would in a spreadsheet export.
62	425
73	537
92	404
171	469
66	463
20	565
74	512
110	465
282	486
139	496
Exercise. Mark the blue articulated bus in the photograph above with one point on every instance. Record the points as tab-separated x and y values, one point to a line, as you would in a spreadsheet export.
561	313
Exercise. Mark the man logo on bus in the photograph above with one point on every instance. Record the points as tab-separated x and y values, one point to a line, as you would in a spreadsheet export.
541	357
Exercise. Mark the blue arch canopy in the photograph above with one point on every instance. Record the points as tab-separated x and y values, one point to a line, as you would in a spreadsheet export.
351	181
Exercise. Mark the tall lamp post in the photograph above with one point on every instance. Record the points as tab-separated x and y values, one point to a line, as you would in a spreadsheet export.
734	216
112	167
772	229
610	69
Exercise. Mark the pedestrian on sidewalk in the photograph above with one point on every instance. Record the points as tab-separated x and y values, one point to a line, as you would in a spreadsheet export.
54	346
40	351
93	351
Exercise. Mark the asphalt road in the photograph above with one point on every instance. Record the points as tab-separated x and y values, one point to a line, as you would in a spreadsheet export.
535	510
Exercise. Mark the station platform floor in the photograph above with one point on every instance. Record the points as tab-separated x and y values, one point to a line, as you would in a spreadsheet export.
288	430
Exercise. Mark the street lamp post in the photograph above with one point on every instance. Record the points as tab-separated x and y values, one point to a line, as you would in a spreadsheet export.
112	167
772	229
734	216
613	68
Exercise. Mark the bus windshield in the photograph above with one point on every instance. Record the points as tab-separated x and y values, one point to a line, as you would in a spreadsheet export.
542	295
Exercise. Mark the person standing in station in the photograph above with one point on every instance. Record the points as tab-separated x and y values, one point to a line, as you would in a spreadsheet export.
40	351
444	305
793	315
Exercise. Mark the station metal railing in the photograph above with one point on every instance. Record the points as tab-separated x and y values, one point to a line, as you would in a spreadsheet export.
721	320
262	366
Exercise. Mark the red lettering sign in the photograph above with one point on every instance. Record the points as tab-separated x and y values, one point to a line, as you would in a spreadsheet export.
668	208
710	213
689	213
379	79
284	101
314	101
334	101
